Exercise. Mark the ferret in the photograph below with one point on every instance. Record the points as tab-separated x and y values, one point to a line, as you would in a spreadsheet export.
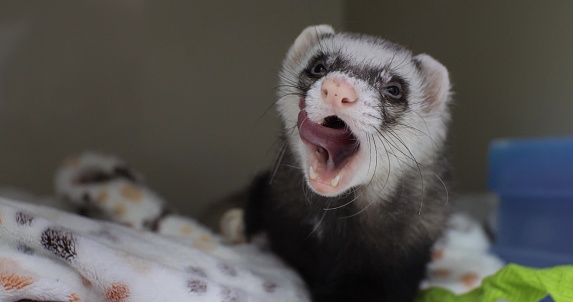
359	193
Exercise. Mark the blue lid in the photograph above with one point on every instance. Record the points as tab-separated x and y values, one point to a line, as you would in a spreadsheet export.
531	166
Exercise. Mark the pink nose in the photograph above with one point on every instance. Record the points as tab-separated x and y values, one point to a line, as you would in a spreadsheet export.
338	92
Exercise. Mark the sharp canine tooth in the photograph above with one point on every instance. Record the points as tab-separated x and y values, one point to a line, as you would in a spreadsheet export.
312	173
334	181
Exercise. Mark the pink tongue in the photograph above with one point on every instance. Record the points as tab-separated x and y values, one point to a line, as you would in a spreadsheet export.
339	144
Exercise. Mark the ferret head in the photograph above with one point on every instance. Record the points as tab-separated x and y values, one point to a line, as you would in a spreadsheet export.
360	111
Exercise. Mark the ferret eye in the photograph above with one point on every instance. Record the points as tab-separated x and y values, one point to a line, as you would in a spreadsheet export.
318	70
394	91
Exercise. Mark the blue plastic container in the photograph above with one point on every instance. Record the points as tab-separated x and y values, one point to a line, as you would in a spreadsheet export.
534	182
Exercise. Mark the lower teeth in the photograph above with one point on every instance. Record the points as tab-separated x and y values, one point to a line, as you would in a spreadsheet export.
311	173
334	181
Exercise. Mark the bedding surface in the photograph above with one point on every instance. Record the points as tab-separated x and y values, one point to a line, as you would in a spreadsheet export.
131	248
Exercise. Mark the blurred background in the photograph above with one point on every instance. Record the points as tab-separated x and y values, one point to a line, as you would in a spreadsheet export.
182	89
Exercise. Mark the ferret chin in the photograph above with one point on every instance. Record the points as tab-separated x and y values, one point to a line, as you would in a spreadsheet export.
359	192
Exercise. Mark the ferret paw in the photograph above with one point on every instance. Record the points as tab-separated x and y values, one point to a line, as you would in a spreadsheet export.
232	226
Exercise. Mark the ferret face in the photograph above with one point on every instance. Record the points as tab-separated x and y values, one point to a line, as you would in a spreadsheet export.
360	111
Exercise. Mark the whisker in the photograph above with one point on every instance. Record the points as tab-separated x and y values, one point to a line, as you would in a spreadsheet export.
317	225
279	157
341	206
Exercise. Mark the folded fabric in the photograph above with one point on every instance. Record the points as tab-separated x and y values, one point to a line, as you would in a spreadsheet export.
49	255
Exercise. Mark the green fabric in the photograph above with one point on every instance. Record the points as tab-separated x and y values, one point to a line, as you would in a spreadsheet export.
513	283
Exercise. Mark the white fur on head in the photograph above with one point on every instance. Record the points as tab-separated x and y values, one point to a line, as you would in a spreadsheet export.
384	156
437	82
306	39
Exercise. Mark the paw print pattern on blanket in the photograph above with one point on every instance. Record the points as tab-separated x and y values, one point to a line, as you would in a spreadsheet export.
460	259
10	280
106	187
145	253
61	243
68	262
151	255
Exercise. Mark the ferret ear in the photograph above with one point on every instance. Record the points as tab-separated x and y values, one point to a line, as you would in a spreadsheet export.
436	82
307	38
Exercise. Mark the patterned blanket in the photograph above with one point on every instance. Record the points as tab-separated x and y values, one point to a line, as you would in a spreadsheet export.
133	249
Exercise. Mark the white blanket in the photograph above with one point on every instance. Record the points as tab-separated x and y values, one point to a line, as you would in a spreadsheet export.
146	254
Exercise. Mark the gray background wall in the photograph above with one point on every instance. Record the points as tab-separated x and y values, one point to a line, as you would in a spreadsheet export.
178	89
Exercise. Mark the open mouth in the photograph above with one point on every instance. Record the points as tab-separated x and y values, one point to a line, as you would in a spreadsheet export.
331	146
